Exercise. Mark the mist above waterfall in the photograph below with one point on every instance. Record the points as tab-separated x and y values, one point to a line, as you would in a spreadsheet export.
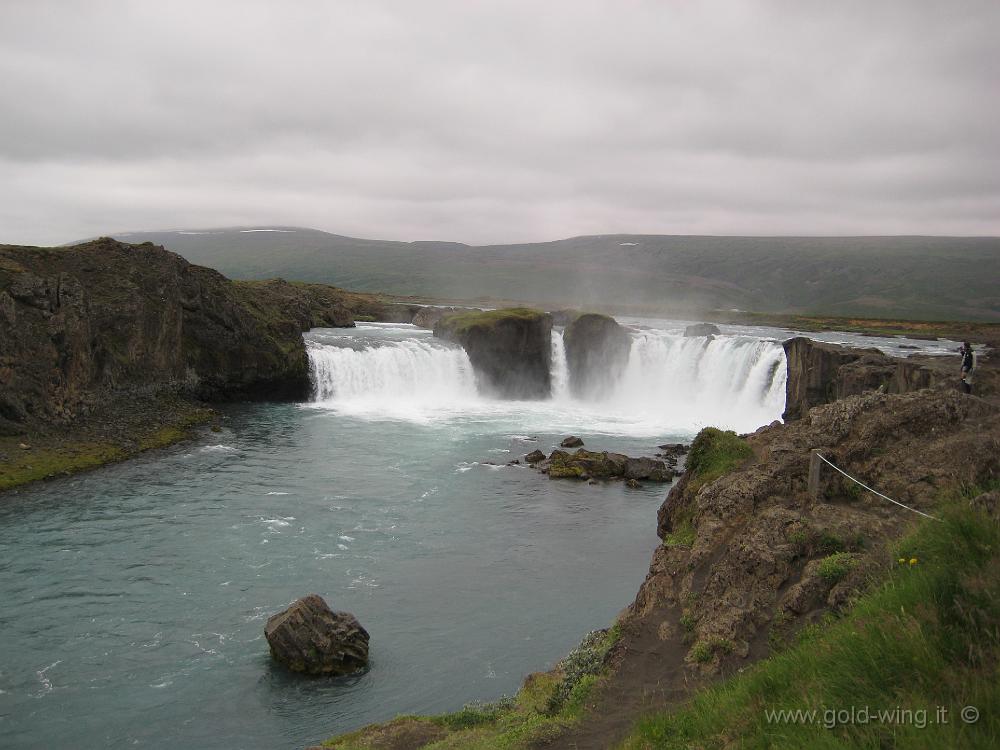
670	385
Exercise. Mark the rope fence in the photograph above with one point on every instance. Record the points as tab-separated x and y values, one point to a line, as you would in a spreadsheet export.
814	485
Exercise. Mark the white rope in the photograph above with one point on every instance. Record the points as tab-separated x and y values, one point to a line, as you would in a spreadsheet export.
876	492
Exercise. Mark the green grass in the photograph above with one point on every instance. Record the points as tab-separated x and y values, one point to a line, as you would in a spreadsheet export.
928	636
715	452
44	460
683	535
704	651
833	568
546	705
461	322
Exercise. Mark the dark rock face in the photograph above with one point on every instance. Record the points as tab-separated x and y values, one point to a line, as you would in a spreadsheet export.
308	637
597	350
648	469
427	317
757	536
534	457
564	317
395	312
510	350
702	329
822	373
80	324
571	442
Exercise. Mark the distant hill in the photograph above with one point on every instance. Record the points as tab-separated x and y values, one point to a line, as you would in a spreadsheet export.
914	277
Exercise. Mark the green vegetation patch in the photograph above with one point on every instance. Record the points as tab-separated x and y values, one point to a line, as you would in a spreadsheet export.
908	657
706	650
462	322
835	567
32	464
46	458
683	535
715	452
544	707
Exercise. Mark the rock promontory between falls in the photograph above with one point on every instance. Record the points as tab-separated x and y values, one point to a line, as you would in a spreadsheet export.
510	350
597	350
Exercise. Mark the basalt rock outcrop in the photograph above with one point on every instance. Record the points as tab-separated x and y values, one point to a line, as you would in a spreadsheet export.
821	373
597	350
428	317
749	556
81	324
510	350
738	552
702	329
584	464
309	637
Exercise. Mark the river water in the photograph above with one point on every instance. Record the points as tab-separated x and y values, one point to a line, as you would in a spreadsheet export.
134	597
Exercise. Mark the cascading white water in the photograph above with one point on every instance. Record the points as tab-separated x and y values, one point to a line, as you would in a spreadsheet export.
730	381
400	378
736	382
560	368
670	384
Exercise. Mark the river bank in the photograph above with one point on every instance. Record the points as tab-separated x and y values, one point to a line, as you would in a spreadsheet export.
749	558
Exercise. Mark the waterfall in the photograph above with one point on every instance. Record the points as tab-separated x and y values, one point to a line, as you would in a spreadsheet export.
409	373
730	381
560	369
670	383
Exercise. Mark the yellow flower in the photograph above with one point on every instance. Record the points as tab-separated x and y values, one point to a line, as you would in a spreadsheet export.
902	561
913	561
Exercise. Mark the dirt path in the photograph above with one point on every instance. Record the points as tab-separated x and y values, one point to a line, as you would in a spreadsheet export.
649	675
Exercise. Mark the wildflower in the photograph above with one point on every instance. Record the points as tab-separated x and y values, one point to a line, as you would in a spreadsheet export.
902	561
913	561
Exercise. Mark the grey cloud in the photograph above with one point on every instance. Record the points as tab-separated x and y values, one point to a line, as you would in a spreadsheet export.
499	121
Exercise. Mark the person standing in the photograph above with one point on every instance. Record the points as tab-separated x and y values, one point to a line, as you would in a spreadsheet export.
968	365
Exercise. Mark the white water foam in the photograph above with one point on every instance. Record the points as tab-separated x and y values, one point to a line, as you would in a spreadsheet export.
670	384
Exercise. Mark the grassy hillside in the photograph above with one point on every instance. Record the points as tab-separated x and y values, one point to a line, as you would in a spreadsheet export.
929	278
896	671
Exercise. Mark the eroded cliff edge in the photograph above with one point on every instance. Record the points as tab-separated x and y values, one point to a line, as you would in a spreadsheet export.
107	348
750	555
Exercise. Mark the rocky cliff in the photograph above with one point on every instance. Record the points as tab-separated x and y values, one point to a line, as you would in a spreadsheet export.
597	350
822	373
510	349
81	324
749	555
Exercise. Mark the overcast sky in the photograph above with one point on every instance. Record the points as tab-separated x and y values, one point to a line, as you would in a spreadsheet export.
499	121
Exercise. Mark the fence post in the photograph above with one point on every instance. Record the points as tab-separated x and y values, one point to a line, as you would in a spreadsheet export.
814	469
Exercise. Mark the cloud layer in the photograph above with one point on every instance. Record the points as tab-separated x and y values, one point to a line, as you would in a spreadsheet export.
500	121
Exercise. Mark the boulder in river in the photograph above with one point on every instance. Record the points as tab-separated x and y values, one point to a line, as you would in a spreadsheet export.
571	442
534	457
309	637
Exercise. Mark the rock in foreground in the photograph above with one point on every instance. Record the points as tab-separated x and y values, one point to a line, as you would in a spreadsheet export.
309	637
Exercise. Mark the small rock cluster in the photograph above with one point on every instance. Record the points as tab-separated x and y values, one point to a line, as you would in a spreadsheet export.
593	465
671	453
